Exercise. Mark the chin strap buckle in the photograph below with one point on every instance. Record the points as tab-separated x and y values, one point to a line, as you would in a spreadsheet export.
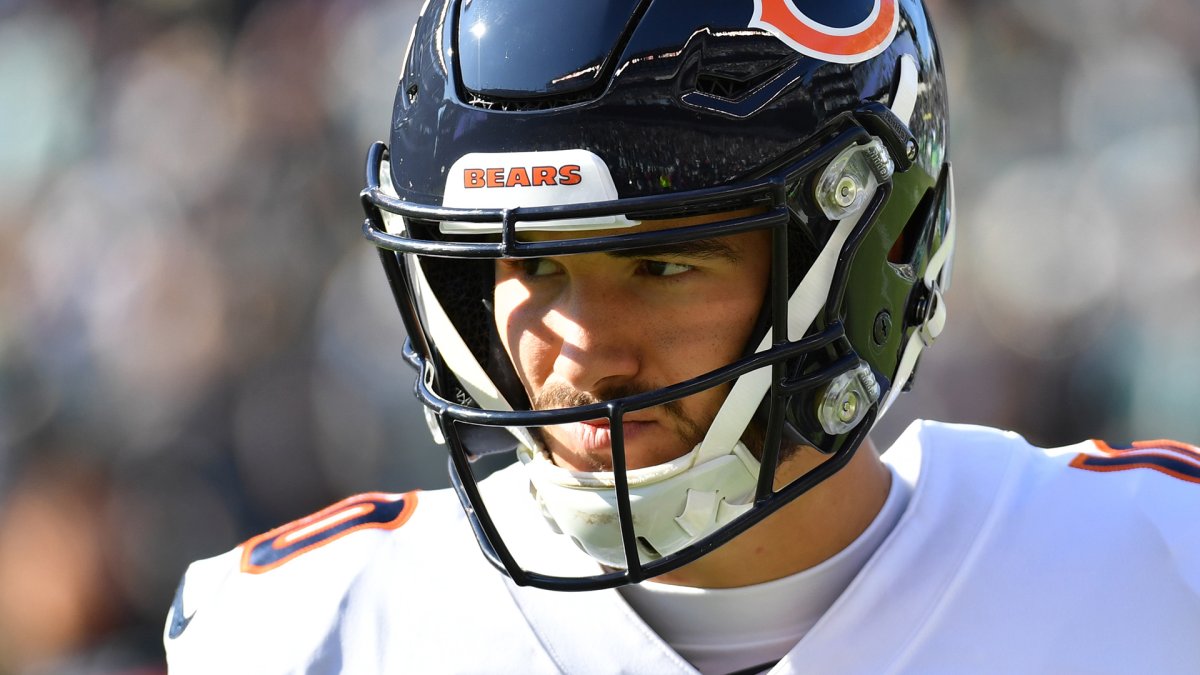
929	313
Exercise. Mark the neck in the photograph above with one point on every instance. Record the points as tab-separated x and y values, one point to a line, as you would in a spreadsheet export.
804	533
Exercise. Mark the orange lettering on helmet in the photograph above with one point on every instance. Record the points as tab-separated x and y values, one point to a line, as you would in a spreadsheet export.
518	175
544	175
473	178
569	174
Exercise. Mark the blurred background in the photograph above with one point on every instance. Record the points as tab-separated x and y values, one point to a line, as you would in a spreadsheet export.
196	345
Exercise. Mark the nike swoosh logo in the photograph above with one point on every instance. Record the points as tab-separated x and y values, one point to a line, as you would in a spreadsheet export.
179	622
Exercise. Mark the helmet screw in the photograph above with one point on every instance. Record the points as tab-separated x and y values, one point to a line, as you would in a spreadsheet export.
848	410
910	149
846	191
882	328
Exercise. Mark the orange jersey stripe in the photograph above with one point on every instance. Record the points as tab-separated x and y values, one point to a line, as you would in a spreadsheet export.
374	510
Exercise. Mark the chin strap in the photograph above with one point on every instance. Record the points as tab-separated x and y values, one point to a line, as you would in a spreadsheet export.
673	504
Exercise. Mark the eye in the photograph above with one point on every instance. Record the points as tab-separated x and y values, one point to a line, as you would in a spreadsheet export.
660	268
532	267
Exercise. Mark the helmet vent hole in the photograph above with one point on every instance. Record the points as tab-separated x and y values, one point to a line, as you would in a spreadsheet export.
732	88
905	247
487	102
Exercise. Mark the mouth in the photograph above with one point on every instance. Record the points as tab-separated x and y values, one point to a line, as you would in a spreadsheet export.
595	436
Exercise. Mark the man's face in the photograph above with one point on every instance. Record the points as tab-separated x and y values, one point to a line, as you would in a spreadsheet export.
592	327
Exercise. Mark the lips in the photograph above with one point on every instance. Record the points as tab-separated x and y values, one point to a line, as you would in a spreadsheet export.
596	435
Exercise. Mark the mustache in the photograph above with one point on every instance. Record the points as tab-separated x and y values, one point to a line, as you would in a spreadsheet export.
559	395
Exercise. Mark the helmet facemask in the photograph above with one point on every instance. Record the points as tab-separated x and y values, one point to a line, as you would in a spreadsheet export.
642	522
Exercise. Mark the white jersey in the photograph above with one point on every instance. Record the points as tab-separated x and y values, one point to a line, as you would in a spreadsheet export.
1008	559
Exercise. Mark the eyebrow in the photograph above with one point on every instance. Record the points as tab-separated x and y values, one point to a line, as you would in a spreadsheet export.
703	249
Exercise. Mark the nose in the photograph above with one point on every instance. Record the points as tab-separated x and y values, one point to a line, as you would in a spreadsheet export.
598	344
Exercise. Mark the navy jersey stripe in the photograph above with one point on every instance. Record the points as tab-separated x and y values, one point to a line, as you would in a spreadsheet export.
1169	464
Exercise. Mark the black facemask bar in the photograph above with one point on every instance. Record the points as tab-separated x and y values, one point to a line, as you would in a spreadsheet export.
770	191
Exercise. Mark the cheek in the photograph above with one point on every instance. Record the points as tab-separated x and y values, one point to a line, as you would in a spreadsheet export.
711	335
506	299
715	337
716	323
521	330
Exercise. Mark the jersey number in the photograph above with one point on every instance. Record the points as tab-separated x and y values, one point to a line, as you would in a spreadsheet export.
377	510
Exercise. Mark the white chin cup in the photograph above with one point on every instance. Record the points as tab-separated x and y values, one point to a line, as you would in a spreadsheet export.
673	504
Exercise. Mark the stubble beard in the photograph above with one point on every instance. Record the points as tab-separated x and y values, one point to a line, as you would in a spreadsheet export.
557	396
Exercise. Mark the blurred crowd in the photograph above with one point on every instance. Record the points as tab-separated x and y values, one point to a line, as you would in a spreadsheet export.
196	345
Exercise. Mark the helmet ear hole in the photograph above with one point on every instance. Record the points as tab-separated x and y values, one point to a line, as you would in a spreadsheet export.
904	249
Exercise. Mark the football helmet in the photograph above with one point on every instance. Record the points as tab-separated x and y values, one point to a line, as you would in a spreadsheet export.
823	123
